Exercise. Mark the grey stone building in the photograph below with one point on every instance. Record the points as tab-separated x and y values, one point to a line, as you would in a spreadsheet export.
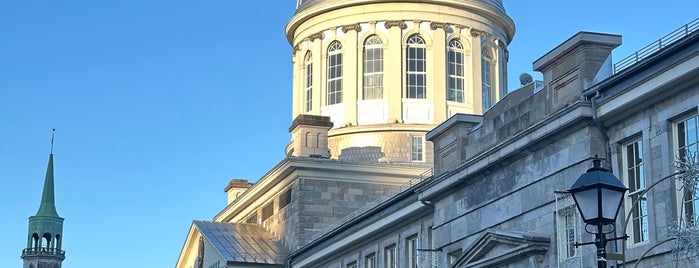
437	180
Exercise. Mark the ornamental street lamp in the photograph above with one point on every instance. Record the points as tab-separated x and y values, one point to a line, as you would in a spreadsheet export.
598	195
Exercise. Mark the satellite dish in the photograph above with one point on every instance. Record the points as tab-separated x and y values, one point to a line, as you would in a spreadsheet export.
525	79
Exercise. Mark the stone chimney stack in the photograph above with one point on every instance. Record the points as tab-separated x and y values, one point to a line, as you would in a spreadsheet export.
571	67
309	136
235	188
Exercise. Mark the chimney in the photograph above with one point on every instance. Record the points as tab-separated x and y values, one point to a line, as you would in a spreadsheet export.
235	188
571	67
309	136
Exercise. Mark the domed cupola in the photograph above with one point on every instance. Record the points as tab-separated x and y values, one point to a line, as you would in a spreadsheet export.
386	72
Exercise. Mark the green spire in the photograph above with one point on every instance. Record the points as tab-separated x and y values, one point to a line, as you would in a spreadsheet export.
48	205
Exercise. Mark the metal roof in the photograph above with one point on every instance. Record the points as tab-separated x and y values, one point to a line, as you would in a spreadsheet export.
242	243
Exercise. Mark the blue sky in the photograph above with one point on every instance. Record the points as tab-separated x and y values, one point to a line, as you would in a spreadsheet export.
158	104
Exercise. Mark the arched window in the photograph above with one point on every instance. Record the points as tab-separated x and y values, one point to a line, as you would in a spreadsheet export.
487	79
308	82
416	68
373	68
455	72
334	73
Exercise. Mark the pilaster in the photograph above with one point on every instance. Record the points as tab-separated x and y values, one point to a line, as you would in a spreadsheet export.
393	71
437	92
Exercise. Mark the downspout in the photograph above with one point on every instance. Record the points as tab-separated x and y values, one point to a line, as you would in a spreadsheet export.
602	130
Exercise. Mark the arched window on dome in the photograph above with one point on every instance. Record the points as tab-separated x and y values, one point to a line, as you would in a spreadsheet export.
487	79
373	68
308	82
334	73
455	71
416	68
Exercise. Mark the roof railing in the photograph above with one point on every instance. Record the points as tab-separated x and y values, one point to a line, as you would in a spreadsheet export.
657	45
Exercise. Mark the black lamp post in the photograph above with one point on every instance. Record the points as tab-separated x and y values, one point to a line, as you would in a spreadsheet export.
598	195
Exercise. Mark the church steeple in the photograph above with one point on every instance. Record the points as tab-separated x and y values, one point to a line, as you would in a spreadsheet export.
45	236
48	203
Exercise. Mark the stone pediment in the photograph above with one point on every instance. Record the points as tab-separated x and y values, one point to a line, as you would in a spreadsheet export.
497	248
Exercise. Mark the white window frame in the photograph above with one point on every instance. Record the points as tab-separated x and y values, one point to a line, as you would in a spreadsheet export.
633	175
568	225
416	68
417	149
370	260
308	82
681	128
411	245
455	71
486	79
372	86
334	73
390	260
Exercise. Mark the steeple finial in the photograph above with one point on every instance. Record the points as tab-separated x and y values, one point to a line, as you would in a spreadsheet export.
48	205
53	134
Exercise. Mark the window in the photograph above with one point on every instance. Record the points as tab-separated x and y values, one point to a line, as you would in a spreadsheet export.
390	256
687	148
352	264
373	68
411	251
636	203
455	72
567	232
267	211
370	261
417	149
252	218
453	256
334	73
486	79
284	199
308	82
416	71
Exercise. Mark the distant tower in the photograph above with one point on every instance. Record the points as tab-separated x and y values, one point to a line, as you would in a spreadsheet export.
388	71
45	230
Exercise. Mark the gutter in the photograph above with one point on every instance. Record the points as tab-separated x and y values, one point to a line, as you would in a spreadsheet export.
602	130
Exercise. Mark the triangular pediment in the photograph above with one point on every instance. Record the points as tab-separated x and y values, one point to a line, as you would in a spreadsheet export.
496	248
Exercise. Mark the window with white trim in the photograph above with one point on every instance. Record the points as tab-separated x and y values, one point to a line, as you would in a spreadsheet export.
567	232
390	256
373	68
486	79
334	90
416	68
455	71
417	149
352	264
370	261
687	148
308	82
411	244
636	203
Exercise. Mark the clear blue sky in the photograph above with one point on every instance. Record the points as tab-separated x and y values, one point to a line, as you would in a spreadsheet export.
158	104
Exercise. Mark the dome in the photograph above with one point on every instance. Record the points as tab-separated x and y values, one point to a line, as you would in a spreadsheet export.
304	4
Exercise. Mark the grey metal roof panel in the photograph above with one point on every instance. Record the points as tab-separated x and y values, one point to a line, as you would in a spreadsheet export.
242	242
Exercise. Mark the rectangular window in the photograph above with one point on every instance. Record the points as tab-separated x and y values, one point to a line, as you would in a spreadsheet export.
370	261
352	264
309	85
417	149
567	231
687	147
285	199
390	256
267	211
636	202
252	218
411	244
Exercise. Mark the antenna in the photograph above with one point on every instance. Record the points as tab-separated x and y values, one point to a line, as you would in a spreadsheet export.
53	133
